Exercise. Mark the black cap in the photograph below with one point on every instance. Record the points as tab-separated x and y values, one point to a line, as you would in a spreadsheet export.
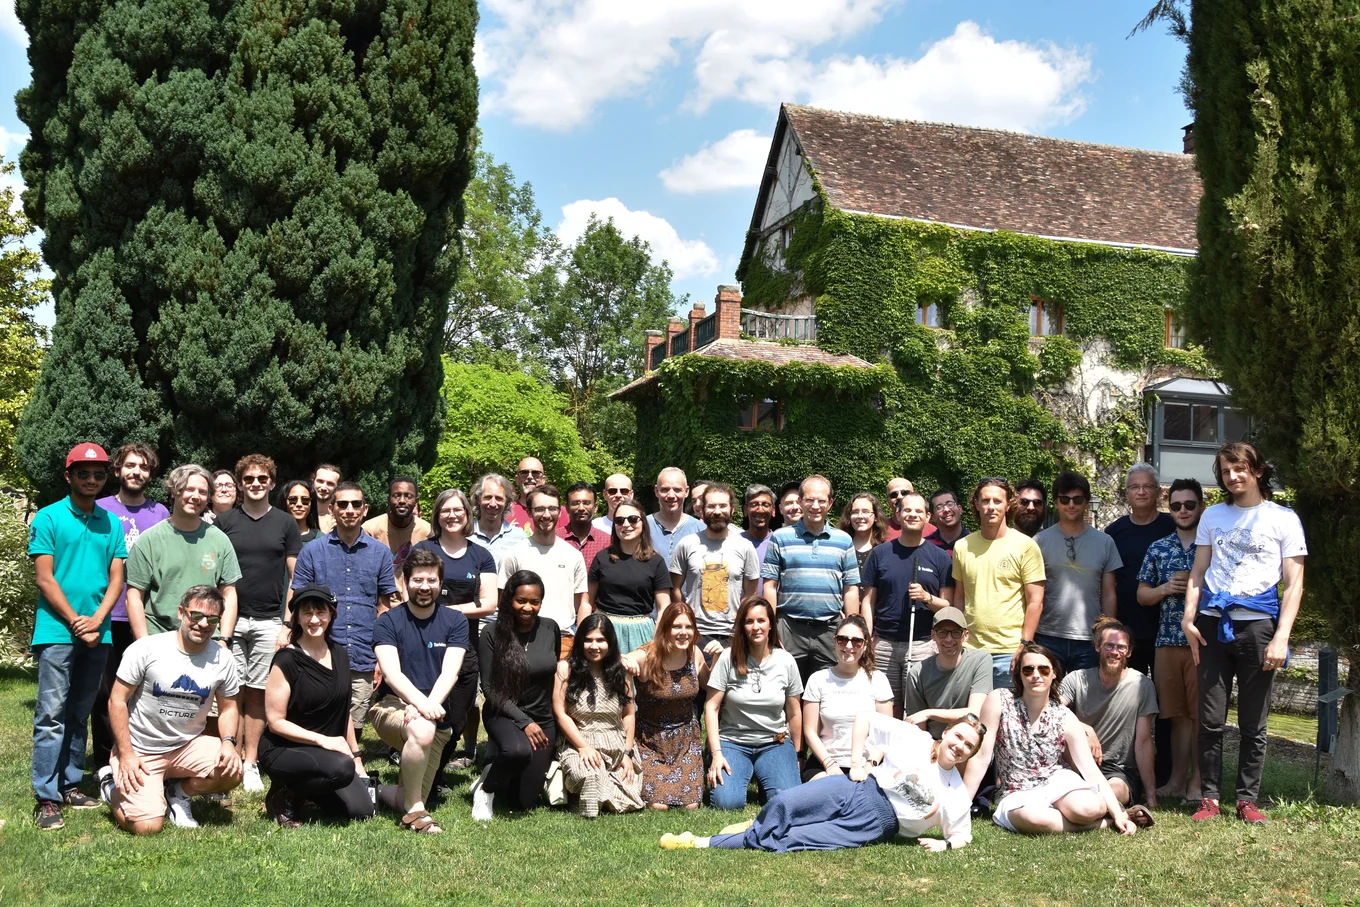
313	590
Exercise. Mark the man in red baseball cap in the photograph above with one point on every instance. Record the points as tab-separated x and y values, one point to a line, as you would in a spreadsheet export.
78	552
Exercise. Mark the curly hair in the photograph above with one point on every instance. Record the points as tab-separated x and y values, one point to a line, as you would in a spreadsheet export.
580	682
878	529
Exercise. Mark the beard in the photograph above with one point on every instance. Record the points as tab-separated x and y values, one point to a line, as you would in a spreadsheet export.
1029	523
127	485
717	523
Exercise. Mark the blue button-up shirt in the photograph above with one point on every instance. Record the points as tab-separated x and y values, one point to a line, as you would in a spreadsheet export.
508	538
356	576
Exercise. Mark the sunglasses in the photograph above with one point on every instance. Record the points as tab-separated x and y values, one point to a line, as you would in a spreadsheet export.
618	491
297	499
1178	506
84	474
894	495
628	520
198	617
531	472
1071	499
1030	504
1044	670
255	480
349	505
850	642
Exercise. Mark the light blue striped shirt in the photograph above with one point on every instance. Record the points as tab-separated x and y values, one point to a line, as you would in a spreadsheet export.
813	571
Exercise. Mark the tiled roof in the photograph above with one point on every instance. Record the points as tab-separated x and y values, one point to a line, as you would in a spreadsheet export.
757	351
997	180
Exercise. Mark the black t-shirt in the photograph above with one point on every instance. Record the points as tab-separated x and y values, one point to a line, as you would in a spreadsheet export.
628	586
1133	541
462	575
262	549
318	696
541	645
890	569
421	644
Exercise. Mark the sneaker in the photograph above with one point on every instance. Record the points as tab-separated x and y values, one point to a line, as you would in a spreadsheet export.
482	799
1208	809
106	786
177	806
1247	812
682	841
252	783
78	799
462	762
47	815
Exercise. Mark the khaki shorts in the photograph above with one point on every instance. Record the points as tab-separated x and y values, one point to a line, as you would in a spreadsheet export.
389	720
196	759
1173	673
360	696
253	644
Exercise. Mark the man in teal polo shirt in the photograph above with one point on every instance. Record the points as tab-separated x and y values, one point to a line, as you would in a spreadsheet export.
78	552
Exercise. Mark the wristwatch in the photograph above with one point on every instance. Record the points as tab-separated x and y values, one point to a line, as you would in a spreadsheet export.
229	739
1026	642
227	641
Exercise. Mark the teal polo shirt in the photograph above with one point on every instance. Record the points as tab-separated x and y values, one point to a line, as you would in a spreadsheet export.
82	548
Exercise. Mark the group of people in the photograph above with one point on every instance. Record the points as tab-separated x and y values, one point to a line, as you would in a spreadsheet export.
889	675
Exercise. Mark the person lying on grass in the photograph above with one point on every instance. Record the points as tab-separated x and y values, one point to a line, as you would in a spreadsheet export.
1029	729
901	782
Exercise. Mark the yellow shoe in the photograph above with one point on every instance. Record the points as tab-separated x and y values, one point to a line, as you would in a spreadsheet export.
738	828
682	841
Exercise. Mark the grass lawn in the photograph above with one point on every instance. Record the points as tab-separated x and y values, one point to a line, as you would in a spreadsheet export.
1310	854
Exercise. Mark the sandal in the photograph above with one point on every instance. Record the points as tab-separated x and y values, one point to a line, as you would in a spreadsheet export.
1141	816
421	823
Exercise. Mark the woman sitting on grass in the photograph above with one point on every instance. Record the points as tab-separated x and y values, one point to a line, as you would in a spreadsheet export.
309	751
670	674
752	713
835	696
901	782
1030	729
593	703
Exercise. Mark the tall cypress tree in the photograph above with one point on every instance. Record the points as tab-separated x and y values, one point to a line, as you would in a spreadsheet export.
1275	88
251	213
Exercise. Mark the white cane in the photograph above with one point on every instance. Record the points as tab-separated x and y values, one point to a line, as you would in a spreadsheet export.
911	620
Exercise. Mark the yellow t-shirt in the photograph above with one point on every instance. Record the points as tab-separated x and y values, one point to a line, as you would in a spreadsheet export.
993	574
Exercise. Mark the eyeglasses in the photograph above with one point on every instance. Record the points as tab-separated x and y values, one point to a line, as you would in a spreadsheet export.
1071	542
1030	503
538	473
1114	647
555	508
198	617
850	642
1044	670
1072	499
349	505
1178	506
618	491
84	474
297	499
628	520
947	505
944	633
1143	488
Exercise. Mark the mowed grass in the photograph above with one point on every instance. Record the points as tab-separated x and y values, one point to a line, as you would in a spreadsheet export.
1310	854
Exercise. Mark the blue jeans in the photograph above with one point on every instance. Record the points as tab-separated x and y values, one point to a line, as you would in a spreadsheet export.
1001	670
68	682
1073	654
775	766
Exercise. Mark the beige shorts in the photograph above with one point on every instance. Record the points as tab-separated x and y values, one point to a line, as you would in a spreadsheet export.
389	720
360	697
254	646
1173	673
196	759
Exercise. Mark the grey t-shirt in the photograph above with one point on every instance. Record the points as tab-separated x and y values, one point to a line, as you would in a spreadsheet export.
174	690
713	572
925	686
1112	713
753	706
1072	594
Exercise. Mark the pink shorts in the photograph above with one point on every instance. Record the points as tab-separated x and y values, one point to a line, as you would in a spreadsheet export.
196	759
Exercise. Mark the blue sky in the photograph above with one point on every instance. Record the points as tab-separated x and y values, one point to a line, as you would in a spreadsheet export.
659	112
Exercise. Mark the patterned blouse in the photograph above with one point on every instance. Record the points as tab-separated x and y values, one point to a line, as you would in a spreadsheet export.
1165	557
1027	758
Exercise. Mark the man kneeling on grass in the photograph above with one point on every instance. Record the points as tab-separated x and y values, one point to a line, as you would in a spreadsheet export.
158	711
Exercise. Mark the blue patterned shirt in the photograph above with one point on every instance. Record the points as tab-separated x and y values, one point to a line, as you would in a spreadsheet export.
1165	557
813	571
356	577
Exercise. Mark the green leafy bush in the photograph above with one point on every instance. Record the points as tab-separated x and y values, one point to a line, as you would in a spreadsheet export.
18	594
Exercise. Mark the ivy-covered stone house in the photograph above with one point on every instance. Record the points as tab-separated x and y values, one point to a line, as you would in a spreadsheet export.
946	303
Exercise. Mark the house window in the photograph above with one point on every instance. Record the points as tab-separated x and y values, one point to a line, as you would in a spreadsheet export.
760	415
1175	331
929	315
1045	318
1202	423
785	236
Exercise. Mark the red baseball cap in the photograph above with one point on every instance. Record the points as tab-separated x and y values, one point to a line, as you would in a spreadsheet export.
86	453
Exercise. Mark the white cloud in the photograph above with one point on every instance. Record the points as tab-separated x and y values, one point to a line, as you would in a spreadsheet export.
9	24
968	78
11	143
549	63
733	162
686	257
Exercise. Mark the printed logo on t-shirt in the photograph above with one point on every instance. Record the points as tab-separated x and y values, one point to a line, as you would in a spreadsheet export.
713	592
1237	545
182	700
130	531
209	561
436	645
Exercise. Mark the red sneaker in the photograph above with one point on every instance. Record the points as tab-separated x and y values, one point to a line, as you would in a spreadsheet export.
1208	809
1247	812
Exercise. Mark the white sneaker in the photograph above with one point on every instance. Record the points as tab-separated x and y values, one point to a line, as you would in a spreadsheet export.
252	784
106	785
482	799
177	808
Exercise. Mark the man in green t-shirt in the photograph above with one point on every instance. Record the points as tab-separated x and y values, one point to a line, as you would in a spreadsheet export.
174	556
78	550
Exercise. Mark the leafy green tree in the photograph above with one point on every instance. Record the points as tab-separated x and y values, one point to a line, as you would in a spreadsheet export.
495	418
251	214
21	338
504	244
1275	299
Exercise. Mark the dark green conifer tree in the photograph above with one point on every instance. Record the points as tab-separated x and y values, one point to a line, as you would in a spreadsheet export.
251	215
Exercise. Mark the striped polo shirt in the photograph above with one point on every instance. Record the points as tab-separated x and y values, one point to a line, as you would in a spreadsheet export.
813	570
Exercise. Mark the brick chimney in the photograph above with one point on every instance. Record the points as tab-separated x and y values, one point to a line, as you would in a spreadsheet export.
1188	139
654	340
696	315
674	326
728	304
